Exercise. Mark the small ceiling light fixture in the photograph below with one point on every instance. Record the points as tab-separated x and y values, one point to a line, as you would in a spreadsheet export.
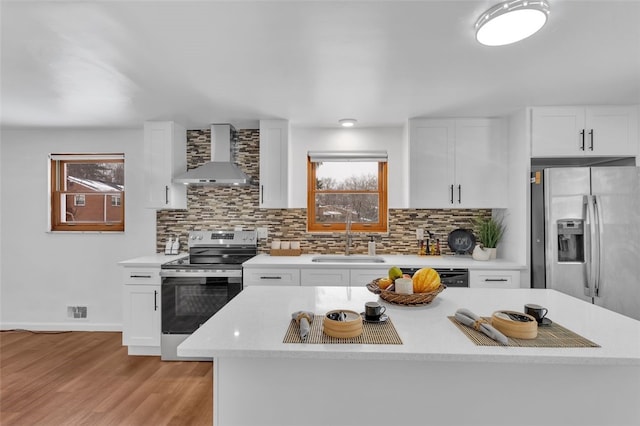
348	122
511	21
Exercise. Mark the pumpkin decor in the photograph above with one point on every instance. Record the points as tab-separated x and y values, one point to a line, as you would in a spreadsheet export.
426	280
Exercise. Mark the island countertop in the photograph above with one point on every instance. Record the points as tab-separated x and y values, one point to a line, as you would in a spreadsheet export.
254	323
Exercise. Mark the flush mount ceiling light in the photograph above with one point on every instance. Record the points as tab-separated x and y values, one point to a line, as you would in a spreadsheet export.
348	122
511	21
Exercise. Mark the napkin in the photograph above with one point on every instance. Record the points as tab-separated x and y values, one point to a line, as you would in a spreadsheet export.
472	320
303	318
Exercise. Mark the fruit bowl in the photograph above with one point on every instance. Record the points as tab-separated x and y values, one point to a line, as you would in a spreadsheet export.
415	299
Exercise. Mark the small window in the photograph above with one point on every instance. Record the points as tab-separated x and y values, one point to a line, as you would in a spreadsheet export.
347	187
87	192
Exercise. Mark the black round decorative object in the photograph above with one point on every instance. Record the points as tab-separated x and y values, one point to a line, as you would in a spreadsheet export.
461	241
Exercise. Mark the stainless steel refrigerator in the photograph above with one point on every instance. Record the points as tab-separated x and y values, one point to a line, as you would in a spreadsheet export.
588	244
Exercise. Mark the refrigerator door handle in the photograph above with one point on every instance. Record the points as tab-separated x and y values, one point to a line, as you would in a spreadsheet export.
598	261
590	246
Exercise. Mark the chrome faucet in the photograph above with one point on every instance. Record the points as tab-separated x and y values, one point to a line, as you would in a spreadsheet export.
347	244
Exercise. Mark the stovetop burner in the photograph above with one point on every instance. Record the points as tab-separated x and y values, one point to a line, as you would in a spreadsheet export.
217	250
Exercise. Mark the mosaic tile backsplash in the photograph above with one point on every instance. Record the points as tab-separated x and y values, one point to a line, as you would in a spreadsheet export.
221	208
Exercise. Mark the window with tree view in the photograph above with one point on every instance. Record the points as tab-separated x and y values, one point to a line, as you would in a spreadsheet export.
347	191
87	192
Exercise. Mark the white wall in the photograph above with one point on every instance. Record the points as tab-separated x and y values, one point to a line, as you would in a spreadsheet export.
42	272
390	139
515	246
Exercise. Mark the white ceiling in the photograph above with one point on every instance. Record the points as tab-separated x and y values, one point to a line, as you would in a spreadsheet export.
119	63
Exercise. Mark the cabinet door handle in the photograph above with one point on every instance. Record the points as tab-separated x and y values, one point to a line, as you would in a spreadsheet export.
140	276
582	146
155	300
166	194
459	194
451	189
261	194
591	134
270	278
487	280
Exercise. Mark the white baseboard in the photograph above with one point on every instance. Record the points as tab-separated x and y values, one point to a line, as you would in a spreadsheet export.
62	326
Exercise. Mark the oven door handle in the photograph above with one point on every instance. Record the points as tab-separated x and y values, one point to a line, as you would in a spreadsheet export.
200	274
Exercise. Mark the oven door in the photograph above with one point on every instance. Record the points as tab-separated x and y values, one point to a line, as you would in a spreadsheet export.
189	301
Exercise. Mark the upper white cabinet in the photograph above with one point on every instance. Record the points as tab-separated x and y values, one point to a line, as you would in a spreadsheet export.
274	151
165	156
584	131
457	163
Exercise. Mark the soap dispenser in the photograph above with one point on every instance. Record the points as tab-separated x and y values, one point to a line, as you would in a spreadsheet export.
372	246
168	246
175	247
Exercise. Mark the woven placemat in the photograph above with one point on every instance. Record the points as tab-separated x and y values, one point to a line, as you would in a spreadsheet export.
372	334
549	336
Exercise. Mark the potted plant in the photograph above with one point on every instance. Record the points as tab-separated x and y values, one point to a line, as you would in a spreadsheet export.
489	230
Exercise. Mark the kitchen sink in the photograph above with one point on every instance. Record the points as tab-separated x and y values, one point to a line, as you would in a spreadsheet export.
347	259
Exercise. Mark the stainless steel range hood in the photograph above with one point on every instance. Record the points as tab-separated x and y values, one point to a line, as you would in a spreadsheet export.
220	171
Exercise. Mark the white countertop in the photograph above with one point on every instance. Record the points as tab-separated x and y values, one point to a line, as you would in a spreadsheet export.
254	323
408	261
152	260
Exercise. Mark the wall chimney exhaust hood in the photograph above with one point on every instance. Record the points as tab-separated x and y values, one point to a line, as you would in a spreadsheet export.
220	171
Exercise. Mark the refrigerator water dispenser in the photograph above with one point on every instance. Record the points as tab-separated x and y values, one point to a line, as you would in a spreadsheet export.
571	240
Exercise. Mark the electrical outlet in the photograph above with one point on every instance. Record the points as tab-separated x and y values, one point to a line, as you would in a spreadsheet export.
77	312
262	232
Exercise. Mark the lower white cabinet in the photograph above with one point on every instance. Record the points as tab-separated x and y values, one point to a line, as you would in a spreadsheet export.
362	277
324	277
494	279
329	276
270	276
141	311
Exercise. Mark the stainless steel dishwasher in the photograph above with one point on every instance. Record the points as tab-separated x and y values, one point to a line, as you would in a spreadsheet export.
451	277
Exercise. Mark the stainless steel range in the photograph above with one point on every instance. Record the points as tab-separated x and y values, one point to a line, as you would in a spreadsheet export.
196	288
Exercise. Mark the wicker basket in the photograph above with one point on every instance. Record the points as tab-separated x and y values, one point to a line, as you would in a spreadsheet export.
415	299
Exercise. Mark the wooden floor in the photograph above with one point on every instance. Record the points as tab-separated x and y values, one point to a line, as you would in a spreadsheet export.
87	378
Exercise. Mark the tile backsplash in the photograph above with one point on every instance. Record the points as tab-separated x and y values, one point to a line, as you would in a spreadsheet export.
218	208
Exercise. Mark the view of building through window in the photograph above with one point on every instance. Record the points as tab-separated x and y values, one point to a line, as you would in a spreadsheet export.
87	193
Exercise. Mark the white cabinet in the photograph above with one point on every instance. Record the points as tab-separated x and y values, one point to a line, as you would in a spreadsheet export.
165	156
362	277
141	311
457	163
494	279
274	151
584	131
267	276
324	277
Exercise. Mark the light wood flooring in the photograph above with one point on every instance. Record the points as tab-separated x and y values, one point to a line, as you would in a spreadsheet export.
87	378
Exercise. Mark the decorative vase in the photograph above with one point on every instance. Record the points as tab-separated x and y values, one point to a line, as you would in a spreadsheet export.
480	253
492	252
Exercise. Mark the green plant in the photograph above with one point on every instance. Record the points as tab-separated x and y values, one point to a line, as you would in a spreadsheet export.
489	231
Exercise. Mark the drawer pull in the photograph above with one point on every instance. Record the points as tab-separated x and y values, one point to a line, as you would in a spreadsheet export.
495	279
270	278
140	276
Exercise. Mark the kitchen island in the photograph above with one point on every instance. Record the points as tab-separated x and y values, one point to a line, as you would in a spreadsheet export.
436	376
